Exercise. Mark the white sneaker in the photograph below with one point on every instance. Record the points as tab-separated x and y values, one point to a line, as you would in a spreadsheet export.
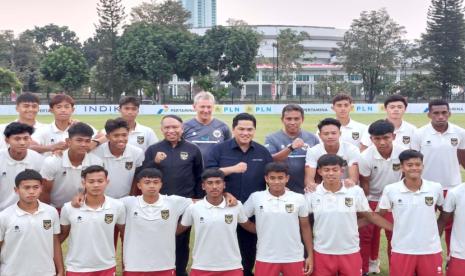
373	266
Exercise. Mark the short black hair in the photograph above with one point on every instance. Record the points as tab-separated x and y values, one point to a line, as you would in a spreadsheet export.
381	127
129	100
81	129
59	98
342	97
276	167
244	117
114	124
176	117
410	154
330	160
27	174
93	169
17	128
292	107
212	172
329	121
27	97
437	102
396	98
149	173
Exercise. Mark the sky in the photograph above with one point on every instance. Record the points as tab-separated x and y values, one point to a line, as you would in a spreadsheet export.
81	15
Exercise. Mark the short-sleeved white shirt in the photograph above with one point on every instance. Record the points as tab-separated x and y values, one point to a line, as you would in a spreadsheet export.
277	223
9	169
216	247
404	135
27	247
38	125
90	244
335	230
349	152
158	221
141	137
440	153
455	202
380	171
415	228
353	132
66	177
120	169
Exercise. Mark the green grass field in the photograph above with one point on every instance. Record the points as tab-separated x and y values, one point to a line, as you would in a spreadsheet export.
265	125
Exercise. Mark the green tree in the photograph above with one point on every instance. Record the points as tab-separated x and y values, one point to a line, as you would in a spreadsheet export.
50	37
331	85
66	67
370	48
167	13
6	48
8	81
443	45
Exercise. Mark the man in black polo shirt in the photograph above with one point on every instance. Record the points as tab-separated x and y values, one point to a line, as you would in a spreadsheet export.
243	162
181	164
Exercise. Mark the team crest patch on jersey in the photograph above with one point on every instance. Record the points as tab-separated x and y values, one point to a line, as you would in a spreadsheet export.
355	135
108	218
406	139
128	165
216	133
454	141
396	167
349	201
290	208
165	214
184	155
47	224
140	140
228	218
429	200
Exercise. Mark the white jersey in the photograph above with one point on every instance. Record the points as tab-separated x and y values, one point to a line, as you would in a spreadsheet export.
216	247
141	137
335	230
90	244
455	202
159	221
282	244
415	228
27	241
404	135
120	169
380	171
9	169
66	177
440	153
353	132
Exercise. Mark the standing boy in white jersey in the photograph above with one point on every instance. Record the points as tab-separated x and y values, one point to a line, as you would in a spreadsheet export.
61	174
379	166
416	245
281	219
14	159
151	215
91	250
351	130
335	230
29	229
216	249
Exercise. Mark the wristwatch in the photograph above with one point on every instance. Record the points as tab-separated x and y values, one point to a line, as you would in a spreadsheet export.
290	147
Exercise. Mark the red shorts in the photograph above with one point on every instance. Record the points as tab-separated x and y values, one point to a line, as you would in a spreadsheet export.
169	272
346	264
234	272
106	272
455	267
274	269
408	265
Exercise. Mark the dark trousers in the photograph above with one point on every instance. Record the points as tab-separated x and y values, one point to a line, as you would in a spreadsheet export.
248	248
182	253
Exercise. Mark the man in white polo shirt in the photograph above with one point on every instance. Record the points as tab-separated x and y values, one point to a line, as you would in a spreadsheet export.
454	206
439	142
91	250
216	249
14	159
62	173
29	230
281	219
351	130
151	215
416	245
329	132
335	208
379	166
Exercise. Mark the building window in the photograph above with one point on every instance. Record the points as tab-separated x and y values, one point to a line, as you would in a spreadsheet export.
302	78
355	77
